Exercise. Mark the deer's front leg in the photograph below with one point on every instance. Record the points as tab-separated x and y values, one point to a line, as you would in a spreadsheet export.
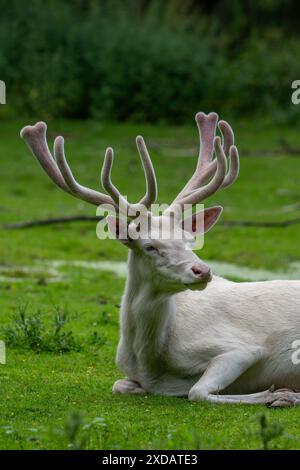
128	386
222	372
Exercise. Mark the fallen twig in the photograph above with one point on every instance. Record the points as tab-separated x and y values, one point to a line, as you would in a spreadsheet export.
171	149
253	223
52	220
84	218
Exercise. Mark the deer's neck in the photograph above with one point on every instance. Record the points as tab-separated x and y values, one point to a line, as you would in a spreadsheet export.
146	317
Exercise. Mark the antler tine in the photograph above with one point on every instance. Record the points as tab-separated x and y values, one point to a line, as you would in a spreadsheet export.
234	167
87	194
151	183
231	153
35	138
58	170
227	142
207	129
204	192
107	183
228	136
207	168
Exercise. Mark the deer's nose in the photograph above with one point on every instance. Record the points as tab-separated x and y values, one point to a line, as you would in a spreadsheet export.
202	272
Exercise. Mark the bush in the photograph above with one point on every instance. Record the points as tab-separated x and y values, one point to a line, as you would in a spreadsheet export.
141	60
260	77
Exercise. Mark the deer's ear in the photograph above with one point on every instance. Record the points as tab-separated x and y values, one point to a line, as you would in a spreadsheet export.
118	228
202	221
211	216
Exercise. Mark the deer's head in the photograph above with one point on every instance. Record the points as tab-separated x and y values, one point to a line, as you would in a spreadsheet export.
164	248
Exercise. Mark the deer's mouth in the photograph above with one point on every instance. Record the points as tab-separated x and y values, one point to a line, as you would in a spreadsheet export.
199	285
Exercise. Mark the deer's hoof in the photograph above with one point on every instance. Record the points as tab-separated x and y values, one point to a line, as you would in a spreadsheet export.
128	386
197	395
283	397
281	404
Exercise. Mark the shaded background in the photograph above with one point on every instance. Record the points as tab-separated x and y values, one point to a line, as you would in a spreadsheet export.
149	60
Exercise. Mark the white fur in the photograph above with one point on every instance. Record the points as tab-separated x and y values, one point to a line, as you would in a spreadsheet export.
234	338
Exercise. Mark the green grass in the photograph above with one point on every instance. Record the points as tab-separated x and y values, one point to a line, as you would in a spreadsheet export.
42	393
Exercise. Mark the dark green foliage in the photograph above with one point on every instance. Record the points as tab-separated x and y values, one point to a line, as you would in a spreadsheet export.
147	60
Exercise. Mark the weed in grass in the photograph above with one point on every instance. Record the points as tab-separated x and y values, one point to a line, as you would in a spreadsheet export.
25	331
14	435
105	317
268	431
97	431
61	341
76	434
72	432
182	439
80	435
97	339
29	332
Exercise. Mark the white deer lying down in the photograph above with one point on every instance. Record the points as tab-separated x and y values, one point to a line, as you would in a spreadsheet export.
184	332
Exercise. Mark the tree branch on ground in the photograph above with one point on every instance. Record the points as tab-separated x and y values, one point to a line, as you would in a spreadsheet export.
84	218
170	148
51	221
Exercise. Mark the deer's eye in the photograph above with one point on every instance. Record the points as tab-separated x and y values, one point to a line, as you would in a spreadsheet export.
151	249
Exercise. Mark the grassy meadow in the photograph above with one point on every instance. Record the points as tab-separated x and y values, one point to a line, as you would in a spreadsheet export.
59	316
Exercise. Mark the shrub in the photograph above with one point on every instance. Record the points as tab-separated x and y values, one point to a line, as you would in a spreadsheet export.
144	60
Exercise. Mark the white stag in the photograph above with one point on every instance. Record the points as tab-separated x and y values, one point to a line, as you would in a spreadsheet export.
184	332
